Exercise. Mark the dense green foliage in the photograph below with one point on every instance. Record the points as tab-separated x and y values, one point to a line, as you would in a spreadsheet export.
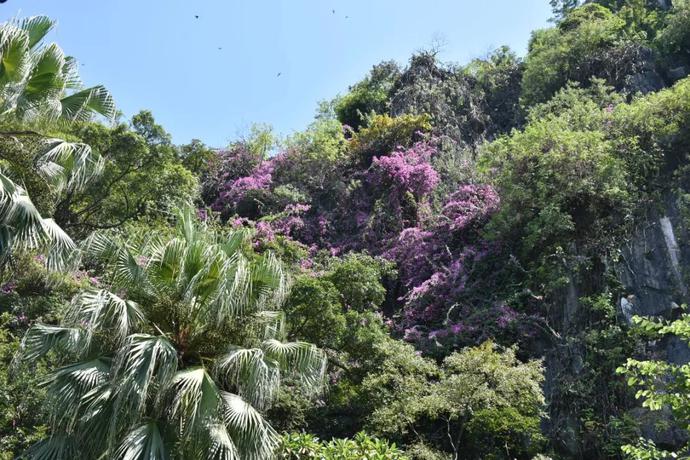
183	355
299	446
445	264
660	384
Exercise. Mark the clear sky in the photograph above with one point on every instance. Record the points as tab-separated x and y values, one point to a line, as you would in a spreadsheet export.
210	78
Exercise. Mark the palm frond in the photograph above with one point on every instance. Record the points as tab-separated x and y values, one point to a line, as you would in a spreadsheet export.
220	445
23	227
67	387
101	420
68	165
235	241
145	362
302	359
102	311
166	262
81	105
14	57
232	298
245	369
195	400
58	246
253	436
269	282
34	79
274	323
55	447
37	27
187	224
128	272
42	338
101	246
145	442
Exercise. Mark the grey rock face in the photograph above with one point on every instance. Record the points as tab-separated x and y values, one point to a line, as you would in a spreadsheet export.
653	266
644	82
677	73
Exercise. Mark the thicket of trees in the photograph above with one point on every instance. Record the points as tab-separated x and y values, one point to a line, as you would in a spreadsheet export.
390	283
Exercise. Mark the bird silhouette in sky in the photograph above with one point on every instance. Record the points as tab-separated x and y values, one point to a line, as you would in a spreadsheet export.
333	11
220	47
196	16
279	74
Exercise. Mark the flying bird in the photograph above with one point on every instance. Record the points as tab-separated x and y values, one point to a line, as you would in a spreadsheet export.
220	47
279	74
333	11
196	16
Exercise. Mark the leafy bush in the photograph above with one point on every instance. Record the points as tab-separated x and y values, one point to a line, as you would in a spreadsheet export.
143	177
371	95
660	384
589	42
358	277
674	37
301	446
384	134
314	311
559	182
481	403
28	293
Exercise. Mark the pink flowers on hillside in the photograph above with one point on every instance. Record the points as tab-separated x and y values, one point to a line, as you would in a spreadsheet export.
407	170
470	204
234	191
386	210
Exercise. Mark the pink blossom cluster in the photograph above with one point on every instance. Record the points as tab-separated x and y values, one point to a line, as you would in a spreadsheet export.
8	287
414	251
264	231
407	170
291	222
432	257
232	192
471	204
507	316
430	301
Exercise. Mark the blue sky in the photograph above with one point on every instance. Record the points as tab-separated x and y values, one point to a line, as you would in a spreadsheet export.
154	54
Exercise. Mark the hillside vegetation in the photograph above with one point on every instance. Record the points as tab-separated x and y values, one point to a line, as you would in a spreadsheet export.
477	261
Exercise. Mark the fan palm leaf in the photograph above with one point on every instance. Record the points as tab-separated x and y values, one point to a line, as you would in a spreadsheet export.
195	342
23	227
39	83
145	442
34	79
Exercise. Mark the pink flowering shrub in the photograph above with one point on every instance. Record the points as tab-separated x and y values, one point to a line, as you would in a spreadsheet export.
406	170
414	251
235	190
429	302
290	222
470	205
422	252
438	269
382	207
393	195
226	167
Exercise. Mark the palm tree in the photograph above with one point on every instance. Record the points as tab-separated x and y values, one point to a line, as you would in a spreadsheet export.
35	79
178	358
39	85
21	226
